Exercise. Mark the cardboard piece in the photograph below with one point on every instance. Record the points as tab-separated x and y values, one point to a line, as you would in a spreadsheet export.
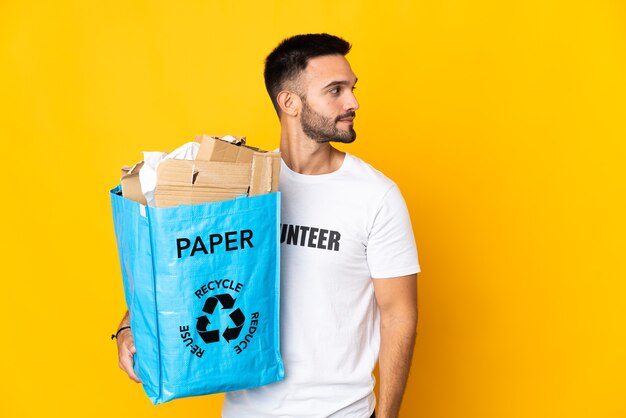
265	173
221	171
213	148
131	187
187	182
236	140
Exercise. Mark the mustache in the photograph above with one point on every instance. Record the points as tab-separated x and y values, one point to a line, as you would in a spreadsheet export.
351	114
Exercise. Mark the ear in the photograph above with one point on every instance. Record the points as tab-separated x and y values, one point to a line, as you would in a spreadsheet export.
289	103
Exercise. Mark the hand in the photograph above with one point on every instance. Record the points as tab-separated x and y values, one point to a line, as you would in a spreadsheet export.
125	352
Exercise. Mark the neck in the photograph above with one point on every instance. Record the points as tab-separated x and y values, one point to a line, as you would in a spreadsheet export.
306	156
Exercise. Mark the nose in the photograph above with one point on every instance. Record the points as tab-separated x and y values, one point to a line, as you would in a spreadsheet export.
351	103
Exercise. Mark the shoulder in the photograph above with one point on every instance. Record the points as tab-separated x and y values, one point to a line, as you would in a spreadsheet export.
364	173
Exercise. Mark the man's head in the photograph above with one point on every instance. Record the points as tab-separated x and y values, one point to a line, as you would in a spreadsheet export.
309	80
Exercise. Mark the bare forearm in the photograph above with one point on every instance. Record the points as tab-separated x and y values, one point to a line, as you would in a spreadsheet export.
396	352
125	321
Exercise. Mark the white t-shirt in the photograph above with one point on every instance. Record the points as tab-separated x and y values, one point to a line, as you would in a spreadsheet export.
339	230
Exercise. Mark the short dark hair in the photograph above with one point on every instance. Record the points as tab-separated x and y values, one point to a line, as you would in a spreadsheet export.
291	56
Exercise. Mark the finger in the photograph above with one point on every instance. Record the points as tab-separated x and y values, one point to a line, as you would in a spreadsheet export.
133	376
126	364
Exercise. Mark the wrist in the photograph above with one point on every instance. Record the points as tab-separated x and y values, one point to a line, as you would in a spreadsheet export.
121	329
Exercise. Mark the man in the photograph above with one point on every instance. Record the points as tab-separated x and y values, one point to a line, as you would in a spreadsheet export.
348	258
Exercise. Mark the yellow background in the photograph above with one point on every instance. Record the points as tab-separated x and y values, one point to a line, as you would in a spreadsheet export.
502	122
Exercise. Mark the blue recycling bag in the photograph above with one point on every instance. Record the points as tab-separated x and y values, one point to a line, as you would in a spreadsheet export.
202	286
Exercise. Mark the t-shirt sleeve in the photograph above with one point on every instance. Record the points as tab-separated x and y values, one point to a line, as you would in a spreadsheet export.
391	250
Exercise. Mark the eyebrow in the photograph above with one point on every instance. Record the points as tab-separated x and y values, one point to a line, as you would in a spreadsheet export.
339	83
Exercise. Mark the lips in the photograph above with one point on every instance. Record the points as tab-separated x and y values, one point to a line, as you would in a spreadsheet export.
347	120
347	117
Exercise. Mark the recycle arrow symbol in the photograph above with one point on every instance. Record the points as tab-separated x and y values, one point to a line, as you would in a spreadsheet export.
226	300
238	319
210	336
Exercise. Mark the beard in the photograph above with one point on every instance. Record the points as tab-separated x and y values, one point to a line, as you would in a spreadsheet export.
323	129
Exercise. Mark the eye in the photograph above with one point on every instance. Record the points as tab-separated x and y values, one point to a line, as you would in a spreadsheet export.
334	90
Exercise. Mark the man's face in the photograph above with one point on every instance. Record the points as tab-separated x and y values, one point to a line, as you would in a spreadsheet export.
328	104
